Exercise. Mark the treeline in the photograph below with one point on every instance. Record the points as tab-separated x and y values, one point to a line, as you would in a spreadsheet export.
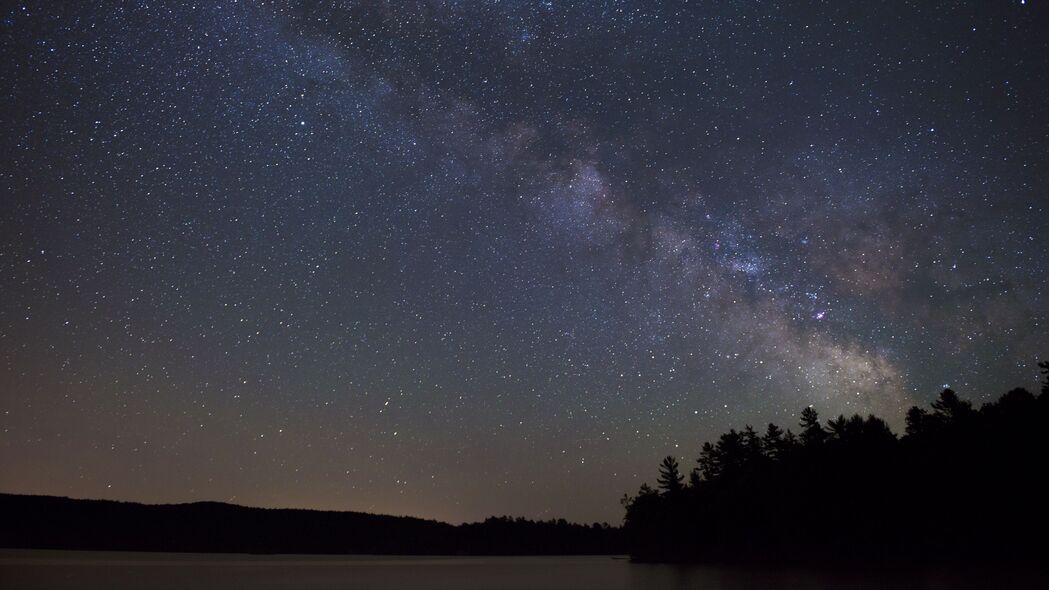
47	522
962	484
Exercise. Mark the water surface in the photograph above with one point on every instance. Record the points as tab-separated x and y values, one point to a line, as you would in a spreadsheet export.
158	571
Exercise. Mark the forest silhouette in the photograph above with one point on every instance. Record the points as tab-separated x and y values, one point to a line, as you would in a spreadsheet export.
961	484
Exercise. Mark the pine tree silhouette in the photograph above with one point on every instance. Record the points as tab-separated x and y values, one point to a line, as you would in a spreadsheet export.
670	479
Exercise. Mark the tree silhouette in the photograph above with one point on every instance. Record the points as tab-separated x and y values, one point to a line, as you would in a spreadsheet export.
949	408
917	421
695	478
752	449
837	427
812	433
670	479
709	462
773	443
1016	400
730	453
963	483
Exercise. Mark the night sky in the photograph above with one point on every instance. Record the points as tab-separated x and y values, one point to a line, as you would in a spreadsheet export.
454	259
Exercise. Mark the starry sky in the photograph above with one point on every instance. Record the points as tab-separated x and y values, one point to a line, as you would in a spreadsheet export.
454	259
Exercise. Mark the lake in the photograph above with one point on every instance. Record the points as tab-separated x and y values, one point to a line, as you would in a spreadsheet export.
85	570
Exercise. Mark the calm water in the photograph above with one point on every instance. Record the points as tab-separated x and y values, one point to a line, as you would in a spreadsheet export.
158	571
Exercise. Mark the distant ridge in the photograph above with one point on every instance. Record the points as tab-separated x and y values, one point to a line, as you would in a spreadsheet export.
50	522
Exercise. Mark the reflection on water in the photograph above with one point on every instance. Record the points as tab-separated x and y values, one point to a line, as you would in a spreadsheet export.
158	571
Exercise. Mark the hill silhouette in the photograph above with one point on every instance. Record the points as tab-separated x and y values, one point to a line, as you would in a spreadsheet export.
48	522
962	484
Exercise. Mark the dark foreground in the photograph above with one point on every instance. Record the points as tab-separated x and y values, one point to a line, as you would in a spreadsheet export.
159	571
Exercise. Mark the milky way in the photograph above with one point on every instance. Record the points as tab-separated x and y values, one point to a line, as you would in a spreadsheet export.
470	258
